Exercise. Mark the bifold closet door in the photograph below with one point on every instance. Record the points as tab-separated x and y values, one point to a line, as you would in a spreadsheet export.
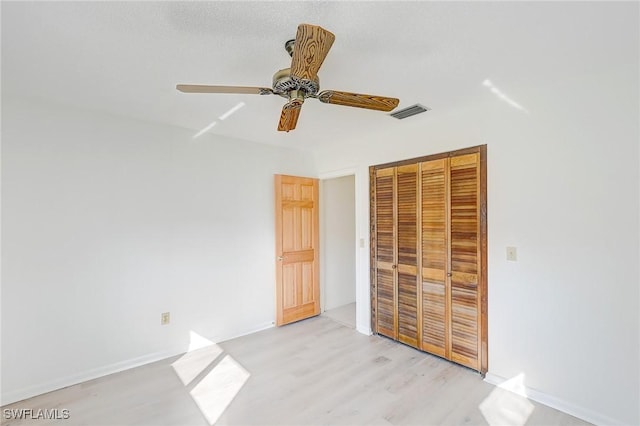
450	258
464	259
435	248
385	252
429	284
407	260
397	253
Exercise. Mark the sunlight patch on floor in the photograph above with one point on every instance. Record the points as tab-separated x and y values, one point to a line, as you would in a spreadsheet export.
191	364
216	390
507	404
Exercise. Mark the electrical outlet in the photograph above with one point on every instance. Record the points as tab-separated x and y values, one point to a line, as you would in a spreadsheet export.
165	318
512	254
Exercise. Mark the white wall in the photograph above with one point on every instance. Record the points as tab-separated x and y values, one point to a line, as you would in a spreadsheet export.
563	184
108	222
338	241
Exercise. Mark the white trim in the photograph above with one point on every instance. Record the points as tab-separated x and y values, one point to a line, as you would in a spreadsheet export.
74	379
63	382
261	327
363	314
559	404
365	331
363	287
338	173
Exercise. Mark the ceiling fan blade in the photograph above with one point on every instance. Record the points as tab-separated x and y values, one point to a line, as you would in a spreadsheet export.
196	88
311	47
289	115
358	100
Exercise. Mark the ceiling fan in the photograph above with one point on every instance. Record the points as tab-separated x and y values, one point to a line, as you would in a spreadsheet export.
307	50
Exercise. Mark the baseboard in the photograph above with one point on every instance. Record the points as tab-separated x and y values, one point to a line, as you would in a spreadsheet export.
74	379
364	330
261	327
559	404
39	389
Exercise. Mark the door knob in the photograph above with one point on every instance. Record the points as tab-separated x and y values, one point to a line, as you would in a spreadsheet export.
280	258
449	274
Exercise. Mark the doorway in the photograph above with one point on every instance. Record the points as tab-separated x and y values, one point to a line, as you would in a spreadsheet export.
338	245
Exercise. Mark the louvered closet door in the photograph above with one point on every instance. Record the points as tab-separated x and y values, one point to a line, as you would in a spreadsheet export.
407	261
465	259
429	254
435	291
385	252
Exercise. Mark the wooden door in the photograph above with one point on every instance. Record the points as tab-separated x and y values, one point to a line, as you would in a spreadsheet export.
464	259
429	246
435	248
451	258
396	247
297	249
407	253
385	252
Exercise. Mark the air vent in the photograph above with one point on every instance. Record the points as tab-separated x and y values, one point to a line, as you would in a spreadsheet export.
409	111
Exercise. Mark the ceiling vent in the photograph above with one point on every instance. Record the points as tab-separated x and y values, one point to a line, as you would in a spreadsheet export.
409	111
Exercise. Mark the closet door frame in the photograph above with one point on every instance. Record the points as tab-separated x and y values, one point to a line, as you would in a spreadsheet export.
482	278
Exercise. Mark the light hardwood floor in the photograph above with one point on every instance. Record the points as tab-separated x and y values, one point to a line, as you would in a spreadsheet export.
345	315
315	371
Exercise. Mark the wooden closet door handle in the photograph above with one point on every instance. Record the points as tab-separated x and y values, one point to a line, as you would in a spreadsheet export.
450	274
394	266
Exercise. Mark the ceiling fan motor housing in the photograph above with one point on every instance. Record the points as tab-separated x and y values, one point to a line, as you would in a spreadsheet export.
283	83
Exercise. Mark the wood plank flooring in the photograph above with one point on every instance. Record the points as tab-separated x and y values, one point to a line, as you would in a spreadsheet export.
345	315
315	371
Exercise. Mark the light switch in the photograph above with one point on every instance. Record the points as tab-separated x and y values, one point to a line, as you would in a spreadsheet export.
512	254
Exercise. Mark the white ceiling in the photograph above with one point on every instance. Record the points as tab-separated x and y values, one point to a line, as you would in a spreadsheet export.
125	58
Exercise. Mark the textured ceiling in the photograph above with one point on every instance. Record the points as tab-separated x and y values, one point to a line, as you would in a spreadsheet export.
125	58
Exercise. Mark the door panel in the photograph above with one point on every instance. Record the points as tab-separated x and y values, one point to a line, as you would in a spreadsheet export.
435	293
289	286
308	293
306	227
407	309
465	343
385	303
385	253
407	241
288	222
385	229
297	270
